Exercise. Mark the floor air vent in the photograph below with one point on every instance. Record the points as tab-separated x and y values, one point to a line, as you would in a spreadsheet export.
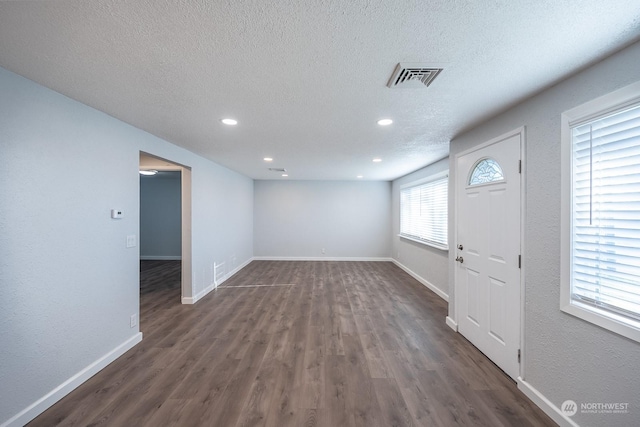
412	76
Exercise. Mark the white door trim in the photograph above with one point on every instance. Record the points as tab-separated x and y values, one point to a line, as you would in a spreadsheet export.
452	320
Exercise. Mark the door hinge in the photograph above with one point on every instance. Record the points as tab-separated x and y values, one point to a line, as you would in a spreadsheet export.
519	261
518	355
519	166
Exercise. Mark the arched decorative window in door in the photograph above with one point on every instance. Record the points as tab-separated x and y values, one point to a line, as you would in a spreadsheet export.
486	170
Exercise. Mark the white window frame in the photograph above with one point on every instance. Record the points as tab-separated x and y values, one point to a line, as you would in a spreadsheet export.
427	180
602	106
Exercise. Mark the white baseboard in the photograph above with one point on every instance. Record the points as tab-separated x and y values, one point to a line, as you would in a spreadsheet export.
545	404
293	258
211	287
160	257
45	402
422	280
452	324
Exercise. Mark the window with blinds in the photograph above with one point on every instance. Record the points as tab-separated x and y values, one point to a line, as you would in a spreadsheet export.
604	227
423	212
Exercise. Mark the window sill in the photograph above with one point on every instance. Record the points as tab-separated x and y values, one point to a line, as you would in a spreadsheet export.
424	242
604	319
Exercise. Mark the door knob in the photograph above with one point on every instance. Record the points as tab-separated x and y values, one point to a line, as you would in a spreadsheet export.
460	247
460	259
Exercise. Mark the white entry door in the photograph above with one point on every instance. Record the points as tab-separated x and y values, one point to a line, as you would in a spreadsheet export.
487	273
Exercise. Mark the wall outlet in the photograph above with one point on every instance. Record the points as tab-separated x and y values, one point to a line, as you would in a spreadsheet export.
133	321
322	250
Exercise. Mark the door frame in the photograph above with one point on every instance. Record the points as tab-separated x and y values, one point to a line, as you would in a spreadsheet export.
186	288
452	321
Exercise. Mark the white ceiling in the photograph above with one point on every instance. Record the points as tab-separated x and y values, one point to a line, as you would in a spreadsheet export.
307	79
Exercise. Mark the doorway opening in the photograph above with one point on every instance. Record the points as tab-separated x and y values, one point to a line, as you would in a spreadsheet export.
165	227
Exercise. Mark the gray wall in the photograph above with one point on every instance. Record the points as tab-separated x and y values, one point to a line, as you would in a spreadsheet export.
297	219
426	262
565	357
69	284
160	216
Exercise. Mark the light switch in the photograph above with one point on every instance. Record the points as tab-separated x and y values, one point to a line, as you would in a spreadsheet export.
131	241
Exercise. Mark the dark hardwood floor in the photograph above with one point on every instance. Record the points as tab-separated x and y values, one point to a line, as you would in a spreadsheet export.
297	344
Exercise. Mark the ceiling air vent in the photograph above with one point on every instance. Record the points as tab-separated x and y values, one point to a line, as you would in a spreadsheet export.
412	76
277	169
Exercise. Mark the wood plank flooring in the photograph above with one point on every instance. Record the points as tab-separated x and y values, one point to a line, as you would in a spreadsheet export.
297	344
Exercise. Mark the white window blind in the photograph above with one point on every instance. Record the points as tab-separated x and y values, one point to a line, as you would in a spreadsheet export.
605	217
423	212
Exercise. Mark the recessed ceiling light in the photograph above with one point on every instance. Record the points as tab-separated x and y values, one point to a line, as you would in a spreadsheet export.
268	159
377	160
385	122
230	122
359	176
285	175
148	172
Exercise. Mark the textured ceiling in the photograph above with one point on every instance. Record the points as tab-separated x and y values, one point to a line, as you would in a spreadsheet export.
307	79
